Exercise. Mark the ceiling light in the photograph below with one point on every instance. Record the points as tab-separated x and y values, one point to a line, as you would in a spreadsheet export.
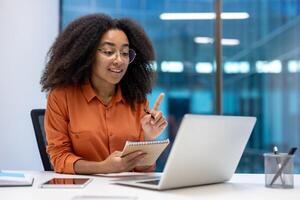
203	40
171	66
209	40
203	16
230	42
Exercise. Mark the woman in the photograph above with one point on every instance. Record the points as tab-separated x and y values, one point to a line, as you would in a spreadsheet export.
98	75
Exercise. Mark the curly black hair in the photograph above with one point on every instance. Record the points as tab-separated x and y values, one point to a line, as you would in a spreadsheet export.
71	56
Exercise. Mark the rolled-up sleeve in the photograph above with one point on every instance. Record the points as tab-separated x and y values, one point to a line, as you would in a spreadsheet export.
59	145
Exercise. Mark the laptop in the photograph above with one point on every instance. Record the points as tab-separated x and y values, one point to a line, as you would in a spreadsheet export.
206	150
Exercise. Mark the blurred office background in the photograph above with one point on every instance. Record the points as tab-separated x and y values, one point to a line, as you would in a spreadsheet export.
261	66
261	63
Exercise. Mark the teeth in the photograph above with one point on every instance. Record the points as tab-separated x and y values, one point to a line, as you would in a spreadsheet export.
116	70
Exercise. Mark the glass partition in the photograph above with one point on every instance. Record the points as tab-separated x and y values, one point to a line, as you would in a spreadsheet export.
261	63
262	75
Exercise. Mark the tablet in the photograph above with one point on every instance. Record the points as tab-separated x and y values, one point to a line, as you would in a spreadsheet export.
66	183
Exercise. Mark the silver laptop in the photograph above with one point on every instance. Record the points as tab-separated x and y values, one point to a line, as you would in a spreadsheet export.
206	150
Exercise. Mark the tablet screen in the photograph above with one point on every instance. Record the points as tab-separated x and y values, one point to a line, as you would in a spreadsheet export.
67	181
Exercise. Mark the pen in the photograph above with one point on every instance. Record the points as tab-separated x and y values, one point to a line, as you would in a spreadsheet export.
275	151
146	111
278	173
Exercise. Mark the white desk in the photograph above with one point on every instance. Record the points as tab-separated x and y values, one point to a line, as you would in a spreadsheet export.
241	186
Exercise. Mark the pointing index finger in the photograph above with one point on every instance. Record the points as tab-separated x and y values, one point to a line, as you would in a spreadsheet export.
158	101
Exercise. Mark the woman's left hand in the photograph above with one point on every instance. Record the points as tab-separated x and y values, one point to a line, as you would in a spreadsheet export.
153	123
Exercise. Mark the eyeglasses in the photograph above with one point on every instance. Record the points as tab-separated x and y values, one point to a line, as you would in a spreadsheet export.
125	55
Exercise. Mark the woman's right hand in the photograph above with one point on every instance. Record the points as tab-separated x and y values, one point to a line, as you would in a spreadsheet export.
115	163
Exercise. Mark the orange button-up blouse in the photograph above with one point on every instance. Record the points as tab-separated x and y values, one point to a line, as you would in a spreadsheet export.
79	126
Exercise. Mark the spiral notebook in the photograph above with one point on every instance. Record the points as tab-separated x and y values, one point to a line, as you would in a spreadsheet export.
153	150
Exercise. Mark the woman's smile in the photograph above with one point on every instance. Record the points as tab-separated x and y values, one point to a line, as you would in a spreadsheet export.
115	70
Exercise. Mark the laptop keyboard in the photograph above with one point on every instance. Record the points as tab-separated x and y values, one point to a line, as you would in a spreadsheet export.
152	182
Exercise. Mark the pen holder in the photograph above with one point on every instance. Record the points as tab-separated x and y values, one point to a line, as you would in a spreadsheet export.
279	170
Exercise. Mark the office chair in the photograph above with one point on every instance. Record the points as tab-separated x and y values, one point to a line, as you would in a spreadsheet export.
37	117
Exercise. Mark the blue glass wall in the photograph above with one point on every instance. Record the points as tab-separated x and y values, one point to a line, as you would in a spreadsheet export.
261	64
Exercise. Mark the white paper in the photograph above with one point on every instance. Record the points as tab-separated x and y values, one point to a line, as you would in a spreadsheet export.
123	174
10	178
103	198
